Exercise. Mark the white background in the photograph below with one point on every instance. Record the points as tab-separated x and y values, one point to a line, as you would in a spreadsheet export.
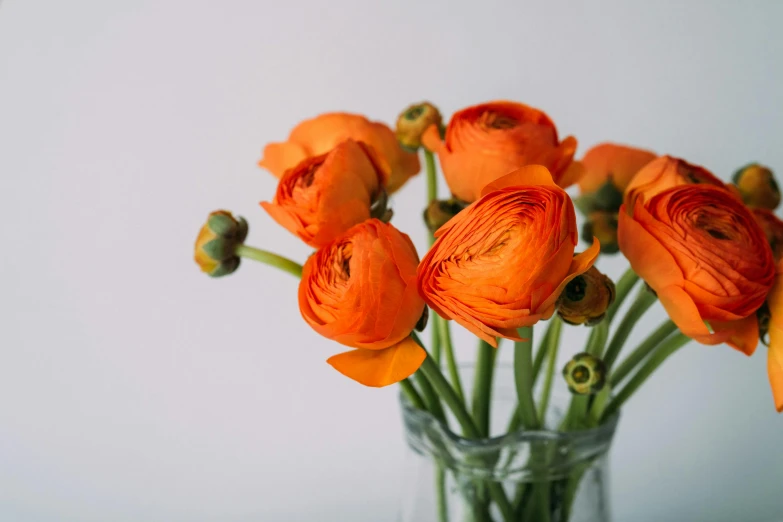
133	388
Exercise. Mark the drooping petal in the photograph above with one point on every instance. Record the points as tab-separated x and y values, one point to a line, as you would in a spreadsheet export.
378	368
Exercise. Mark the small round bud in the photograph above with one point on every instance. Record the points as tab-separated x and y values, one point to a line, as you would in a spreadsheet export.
586	298
602	225
413	121
585	374
217	241
439	212
757	186
764	315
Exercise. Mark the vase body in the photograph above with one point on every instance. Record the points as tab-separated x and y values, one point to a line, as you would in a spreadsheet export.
544	476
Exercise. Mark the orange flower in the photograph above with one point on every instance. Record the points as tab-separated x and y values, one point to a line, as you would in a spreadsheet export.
612	163
501	263
361	292
319	135
773	229
663	173
323	196
700	249
487	141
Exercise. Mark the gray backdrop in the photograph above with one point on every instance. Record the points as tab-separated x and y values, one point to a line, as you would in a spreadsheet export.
134	388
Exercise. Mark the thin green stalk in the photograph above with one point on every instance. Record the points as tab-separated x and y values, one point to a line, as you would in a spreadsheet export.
644	300
431	399
440	489
283	263
413	396
551	346
482	386
622	288
451	361
435	333
641	352
597	341
469	428
523	378
432	176
670	346
538	361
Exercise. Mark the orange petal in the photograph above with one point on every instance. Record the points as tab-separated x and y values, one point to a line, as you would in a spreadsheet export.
775	371
431	139
378	368
743	333
279	157
575	172
529	175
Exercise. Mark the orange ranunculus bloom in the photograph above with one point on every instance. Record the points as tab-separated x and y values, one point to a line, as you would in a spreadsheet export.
701	250
608	162
501	263
487	141
361	292
319	135
323	196
666	172
773	229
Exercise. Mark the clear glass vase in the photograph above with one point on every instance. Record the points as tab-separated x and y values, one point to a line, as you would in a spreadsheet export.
523	476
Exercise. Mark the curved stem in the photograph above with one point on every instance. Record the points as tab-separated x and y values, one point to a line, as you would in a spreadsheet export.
431	399
597	341
432	176
551	346
449	396
622	288
451	362
656	359
256	254
643	301
523	378
410	392
642	351
538	361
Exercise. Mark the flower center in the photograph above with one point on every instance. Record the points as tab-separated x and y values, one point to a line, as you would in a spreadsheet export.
494	120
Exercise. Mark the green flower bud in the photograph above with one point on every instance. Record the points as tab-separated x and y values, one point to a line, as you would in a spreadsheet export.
586	298
585	374
439	212
757	186
413	121
217	242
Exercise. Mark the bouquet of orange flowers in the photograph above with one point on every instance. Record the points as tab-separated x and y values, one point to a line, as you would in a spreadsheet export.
504	257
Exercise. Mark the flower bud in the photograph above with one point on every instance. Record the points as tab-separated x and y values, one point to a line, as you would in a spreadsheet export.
764	315
757	186
439	212
602	225
217	241
413	121
585	374
586	298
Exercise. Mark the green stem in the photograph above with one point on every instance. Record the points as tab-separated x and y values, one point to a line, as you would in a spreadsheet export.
435	333
644	301
551	346
641	352
440	488
622	288
597	341
413	396
469	428
482	386
538	361
283	263
431	399
523	378
432	176
451	361
670	346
